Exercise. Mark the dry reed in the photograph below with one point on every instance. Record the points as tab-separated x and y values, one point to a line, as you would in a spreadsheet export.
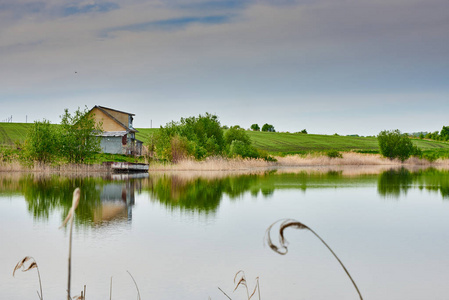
70	216
282	249
242	282
33	265
309	160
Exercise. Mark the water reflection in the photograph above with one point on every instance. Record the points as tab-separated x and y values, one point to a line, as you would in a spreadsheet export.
111	199
102	200
395	182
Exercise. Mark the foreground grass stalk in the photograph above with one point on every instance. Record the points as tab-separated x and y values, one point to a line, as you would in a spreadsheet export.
286	223
138	292
70	216
33	265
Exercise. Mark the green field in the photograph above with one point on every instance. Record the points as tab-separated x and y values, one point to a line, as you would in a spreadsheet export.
273	142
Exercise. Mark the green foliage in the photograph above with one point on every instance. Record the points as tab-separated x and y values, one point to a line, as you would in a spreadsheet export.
334	154
304	131
235	133
444	134
255	127
200	137
74	140
42	142
239	148
393	145
78	135
431	157
196	137
268	128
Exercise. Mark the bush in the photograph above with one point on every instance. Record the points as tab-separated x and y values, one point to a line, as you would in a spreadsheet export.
235	133
194	136
393	145
42	142
239	148
334	154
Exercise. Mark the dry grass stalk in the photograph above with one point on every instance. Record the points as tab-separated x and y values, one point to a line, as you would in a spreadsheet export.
33	265
282	249
70	215
242	281
135	283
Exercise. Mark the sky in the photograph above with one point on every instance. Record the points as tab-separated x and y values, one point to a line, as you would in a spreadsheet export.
328	66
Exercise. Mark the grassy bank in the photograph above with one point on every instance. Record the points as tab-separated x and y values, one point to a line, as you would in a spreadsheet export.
276	143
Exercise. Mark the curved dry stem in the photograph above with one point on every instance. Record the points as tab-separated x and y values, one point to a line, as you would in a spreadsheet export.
287	223
138	292
33	265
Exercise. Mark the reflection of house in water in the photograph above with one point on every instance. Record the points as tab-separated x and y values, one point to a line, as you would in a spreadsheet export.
117	199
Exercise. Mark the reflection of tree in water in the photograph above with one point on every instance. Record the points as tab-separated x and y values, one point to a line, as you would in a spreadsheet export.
199	194
394	182
46	194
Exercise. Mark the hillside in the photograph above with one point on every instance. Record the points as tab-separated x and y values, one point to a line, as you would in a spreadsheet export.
273	142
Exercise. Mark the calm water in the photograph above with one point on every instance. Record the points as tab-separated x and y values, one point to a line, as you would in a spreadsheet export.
183	235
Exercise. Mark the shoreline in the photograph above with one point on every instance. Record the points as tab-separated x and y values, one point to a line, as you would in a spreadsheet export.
218	164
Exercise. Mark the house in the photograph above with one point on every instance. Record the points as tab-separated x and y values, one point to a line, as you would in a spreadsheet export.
119	135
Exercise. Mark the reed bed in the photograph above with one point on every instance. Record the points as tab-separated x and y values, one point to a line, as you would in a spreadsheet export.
16	166
308	160
214	164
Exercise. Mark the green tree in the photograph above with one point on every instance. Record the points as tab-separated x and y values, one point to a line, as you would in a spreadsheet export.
78	135
255	127
41	143
235	133
268	128
197	137
444	133
393	144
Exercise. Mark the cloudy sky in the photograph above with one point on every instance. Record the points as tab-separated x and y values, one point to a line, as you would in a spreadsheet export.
330	66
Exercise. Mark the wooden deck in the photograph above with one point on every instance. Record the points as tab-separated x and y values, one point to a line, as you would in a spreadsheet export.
126	167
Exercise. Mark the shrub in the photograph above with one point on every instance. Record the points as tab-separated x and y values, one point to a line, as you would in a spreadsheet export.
235	133
334	154
194	136
239	148
42	142
393	145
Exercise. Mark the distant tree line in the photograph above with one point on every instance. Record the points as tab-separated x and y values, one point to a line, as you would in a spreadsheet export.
266	127
443	135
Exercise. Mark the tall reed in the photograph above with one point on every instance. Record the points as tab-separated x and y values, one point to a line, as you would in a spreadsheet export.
70	216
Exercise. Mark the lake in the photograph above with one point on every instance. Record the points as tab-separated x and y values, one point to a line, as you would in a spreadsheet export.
185	235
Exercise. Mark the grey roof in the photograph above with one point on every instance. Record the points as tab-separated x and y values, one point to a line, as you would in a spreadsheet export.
124	112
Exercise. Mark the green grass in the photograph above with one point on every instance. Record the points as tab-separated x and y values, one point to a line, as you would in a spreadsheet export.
144	132
12	132
289	143
273	142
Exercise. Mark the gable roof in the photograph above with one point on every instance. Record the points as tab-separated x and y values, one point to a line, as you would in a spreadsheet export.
105	111
107	108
